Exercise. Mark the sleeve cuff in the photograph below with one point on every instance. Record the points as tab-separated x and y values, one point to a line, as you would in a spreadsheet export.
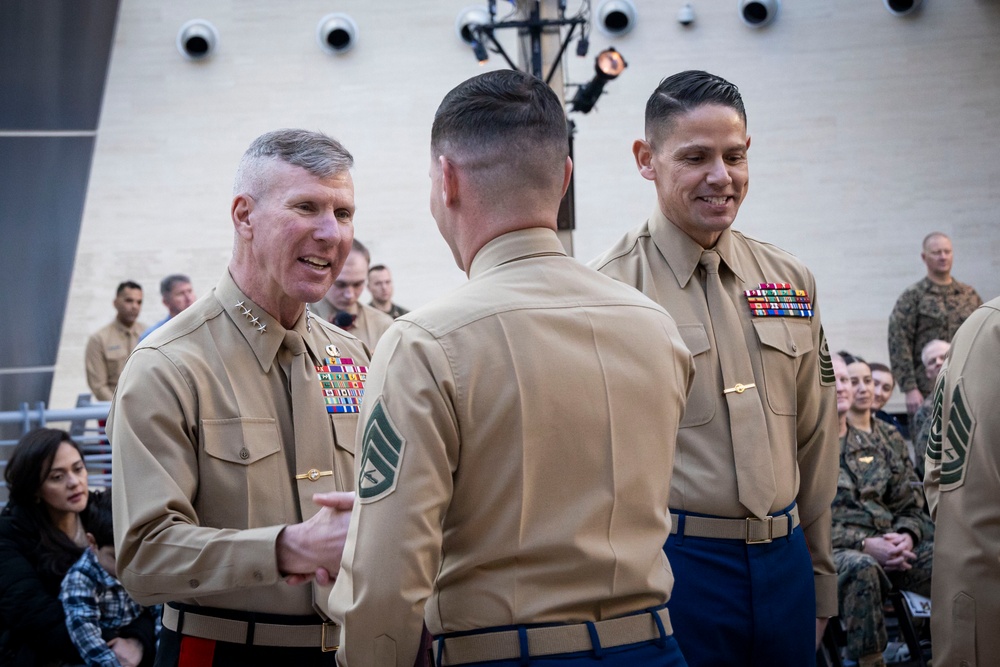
826	595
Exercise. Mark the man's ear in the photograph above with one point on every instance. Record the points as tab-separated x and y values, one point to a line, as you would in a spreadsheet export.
449	182
643	153
242	207
567	175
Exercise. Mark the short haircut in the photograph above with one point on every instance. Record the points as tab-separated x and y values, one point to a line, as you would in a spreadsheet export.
377	267
682	92
358	246
503	127
933	235
879	366
97	518
127	284
318	154
170	282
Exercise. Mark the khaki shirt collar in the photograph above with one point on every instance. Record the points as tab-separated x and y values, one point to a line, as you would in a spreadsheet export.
516	245
265	344
683	253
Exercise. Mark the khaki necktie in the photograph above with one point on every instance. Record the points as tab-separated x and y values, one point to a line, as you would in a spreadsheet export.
754	471
314	446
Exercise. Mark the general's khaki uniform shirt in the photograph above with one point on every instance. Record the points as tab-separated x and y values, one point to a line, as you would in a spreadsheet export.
518	439
204	456
107	350
369	325
785	352
962	483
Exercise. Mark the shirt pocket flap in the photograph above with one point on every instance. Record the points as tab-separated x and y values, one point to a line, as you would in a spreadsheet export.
791	338
345	429
240	440
695	338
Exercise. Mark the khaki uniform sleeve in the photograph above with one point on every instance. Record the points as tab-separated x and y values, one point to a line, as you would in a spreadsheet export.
902	331
97	370
818	455
932	459
393	548
163	553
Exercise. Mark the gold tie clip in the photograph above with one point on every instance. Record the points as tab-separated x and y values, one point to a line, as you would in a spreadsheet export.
738	388
314	474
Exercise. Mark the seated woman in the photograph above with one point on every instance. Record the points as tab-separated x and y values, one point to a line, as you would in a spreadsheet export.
41	536
879	538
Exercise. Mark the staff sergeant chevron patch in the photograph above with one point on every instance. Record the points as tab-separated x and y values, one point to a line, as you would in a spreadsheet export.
381	455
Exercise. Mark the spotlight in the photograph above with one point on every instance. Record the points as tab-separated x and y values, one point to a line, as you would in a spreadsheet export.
759	13
196	39
467	26
616	17
902	7
468	22
686	15
336	33
607	66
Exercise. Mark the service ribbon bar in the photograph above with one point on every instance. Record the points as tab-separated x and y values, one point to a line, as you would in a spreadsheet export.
778	300
342	383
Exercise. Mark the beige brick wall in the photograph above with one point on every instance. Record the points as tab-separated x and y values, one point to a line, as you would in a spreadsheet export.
868	132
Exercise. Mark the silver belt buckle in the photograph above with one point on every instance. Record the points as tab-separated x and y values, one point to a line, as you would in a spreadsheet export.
770	530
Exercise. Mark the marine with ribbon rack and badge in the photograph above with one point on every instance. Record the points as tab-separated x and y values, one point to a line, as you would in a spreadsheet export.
504	494
226	427
756	464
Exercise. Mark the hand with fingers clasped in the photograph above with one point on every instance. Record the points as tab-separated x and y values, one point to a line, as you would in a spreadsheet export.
893	551
313	549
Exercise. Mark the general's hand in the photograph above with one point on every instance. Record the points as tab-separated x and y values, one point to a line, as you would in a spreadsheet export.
903	542
314	548
913	400
128	650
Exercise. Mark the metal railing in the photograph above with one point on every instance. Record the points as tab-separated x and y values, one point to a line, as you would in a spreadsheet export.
85	423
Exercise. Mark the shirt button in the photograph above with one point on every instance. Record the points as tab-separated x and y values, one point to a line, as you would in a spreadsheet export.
193	583
244	453
258	576
795	348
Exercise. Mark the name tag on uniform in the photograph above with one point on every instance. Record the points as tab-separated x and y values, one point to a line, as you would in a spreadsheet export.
778	300
342	383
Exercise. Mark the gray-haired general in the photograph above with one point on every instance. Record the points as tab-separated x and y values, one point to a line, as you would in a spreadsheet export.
227	422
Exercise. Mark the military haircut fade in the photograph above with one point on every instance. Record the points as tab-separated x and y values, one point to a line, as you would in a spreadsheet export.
501	117
320	155
683	92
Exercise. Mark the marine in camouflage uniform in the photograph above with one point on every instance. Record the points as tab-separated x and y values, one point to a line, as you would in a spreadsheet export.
892	438
923	312
920	427
874	497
